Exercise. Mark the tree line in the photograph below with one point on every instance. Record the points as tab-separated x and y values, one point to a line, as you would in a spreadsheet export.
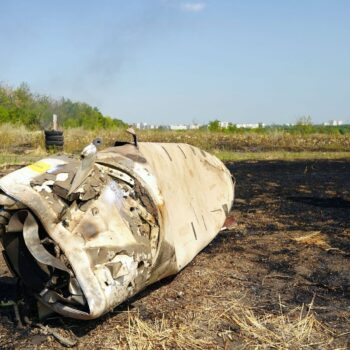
21	106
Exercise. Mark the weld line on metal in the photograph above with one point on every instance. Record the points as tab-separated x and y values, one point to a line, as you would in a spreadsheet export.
204	223
167	153
194	231
182	151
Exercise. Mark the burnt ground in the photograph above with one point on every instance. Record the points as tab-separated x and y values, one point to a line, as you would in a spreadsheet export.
289	246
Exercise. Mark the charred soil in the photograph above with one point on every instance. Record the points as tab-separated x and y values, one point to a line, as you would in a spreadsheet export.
281	272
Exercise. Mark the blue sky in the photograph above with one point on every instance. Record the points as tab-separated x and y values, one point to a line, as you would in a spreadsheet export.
172	61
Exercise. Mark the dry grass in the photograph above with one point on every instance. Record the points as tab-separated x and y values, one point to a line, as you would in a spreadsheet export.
254	142
12	137
244	328
299	329
160	334
77	138
314	238
274	145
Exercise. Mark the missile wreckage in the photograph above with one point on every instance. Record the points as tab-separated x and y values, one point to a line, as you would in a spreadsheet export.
83	235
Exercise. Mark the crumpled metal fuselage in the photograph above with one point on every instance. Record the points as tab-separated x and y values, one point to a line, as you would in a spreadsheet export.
140	214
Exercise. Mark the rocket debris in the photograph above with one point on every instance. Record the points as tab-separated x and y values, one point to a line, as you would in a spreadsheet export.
142	212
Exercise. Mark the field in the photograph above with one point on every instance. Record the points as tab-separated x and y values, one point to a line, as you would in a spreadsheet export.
277	279
19	145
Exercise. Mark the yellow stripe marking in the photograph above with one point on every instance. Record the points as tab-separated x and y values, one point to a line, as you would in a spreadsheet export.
40	167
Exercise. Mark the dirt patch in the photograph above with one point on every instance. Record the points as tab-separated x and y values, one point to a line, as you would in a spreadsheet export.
283	265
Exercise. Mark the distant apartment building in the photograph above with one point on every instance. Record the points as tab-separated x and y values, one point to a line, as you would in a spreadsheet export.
193	126
250	125
224	125
145	126
140	126
334	123
178	127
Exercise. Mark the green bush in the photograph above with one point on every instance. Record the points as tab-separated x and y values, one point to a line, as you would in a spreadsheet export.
20	106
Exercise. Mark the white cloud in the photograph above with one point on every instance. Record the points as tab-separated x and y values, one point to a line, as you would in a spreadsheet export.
193	6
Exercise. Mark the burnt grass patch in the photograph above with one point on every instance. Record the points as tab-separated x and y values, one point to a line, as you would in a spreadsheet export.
289	246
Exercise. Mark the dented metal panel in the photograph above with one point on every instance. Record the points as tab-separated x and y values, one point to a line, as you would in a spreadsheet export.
97	231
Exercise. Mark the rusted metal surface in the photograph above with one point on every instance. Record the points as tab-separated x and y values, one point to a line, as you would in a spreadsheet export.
140	213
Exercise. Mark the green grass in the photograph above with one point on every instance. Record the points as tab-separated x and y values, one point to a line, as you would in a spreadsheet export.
8	159
279	155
